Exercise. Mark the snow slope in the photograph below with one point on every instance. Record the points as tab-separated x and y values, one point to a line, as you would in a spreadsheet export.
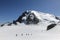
23	31
28	32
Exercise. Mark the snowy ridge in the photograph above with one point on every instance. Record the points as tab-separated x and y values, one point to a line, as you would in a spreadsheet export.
43	16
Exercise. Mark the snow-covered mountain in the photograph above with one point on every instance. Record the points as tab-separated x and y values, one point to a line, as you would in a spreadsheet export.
32	25
29	16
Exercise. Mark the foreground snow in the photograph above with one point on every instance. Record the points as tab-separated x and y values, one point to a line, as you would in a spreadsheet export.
28	32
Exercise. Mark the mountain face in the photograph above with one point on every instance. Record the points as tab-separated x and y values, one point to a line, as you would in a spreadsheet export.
34	17
31	17
28	18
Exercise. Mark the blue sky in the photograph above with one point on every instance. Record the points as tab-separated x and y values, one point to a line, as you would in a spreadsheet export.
11	9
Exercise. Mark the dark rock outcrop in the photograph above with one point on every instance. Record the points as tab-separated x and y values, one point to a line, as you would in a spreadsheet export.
51	26
57	18
2	25
14	22
32	19
20	17
9	24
